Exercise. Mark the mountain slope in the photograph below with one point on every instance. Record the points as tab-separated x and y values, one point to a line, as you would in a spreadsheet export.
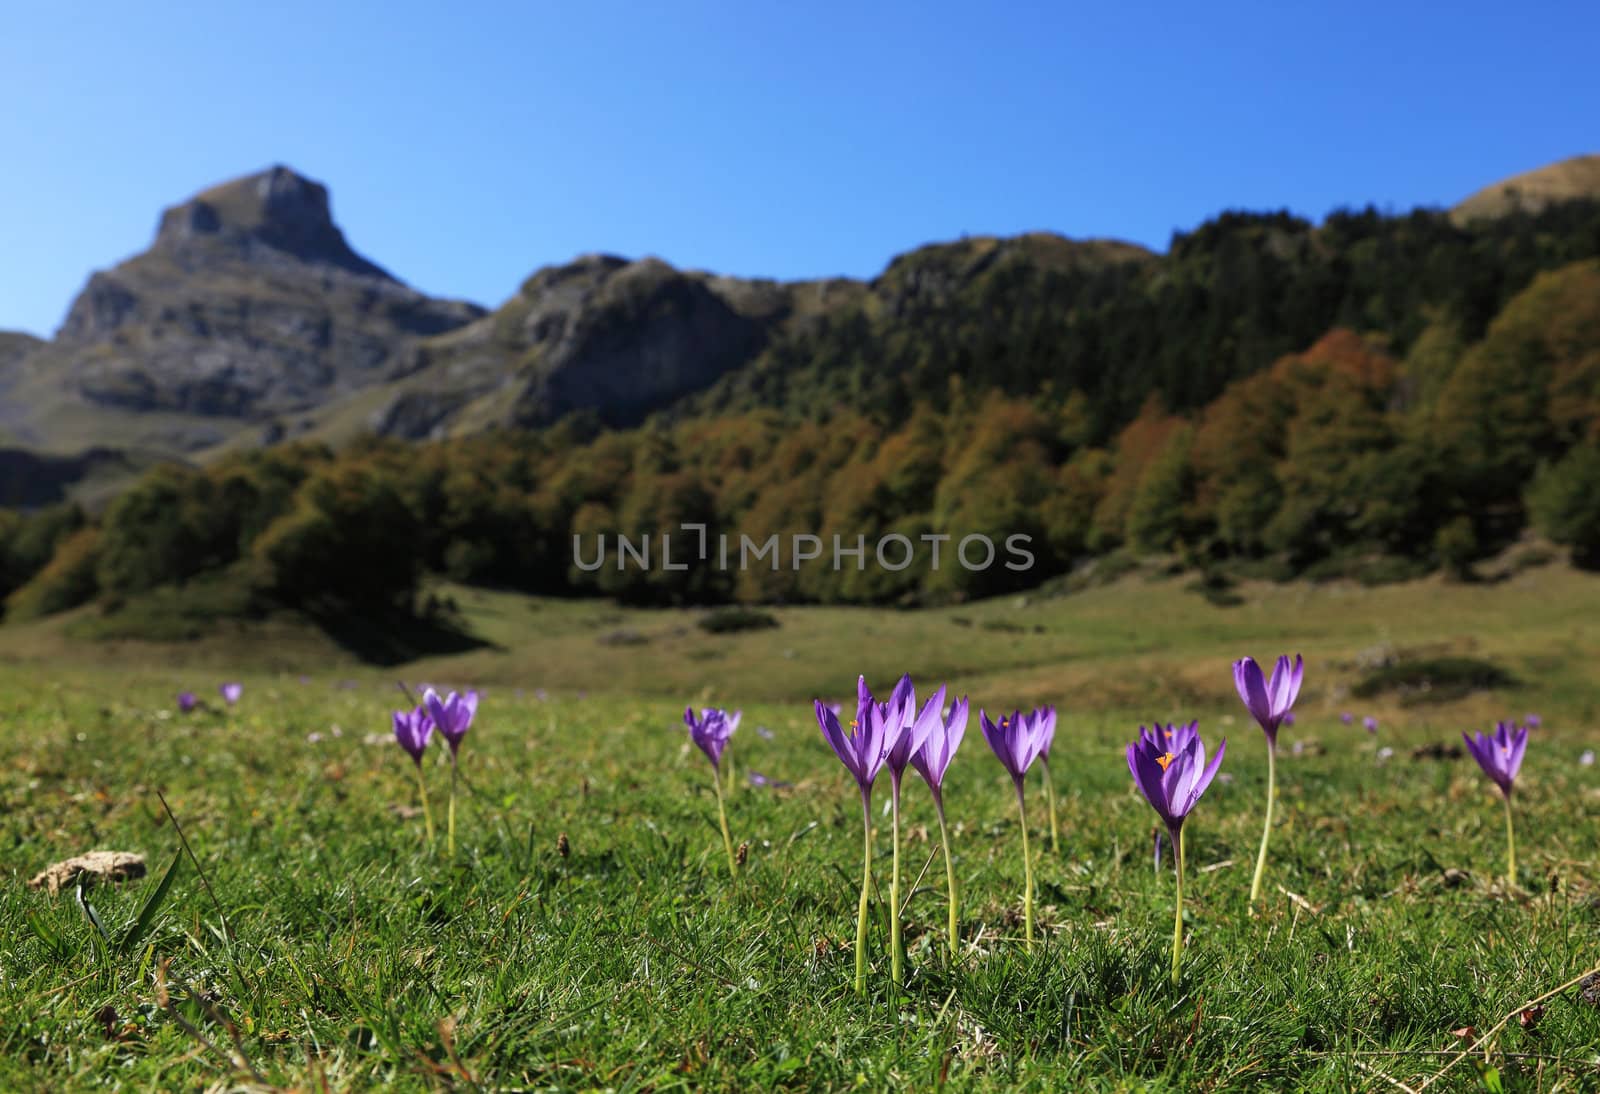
1573	179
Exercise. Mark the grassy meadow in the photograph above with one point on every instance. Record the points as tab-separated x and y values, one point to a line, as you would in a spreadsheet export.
326	947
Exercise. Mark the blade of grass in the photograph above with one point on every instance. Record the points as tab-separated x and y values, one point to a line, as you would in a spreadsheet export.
152	906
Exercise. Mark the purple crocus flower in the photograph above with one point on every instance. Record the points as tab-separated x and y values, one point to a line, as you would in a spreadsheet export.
1532	721
186	701
1499	753
1370	723
1172	778
1168	737
863	746
906	732
932	760
412	729
1288	719
916	727
1015	742
452	715
231	692
864	749
1268	700
765	734
1347	717
710	731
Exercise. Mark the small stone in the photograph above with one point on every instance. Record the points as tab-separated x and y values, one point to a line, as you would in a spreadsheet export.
101	865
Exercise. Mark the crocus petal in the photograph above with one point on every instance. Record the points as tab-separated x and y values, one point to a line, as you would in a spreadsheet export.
1252	690
1147	774
1285	684
1519	745
832	733
1206	776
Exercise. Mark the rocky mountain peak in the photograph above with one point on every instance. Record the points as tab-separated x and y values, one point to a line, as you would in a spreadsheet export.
278	208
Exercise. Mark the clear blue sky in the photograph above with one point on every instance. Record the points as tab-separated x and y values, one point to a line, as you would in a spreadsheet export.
466	145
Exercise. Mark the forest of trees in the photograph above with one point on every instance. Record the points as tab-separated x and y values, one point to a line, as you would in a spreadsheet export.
1378	396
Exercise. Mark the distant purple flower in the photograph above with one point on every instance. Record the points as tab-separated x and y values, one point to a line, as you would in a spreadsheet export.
1532	721
186	701
1586	758
451	716
314	737
1268	701
1499	753
1384	754
1044	727
304	679
1288	719
1370	723
1347	717
412	728
710	731
1169	737
1172	778
540	694
758	779
764	733
231	692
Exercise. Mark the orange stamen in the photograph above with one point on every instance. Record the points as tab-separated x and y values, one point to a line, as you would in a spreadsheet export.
1164	760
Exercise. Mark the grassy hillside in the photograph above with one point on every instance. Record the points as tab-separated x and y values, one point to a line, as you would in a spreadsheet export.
1146	642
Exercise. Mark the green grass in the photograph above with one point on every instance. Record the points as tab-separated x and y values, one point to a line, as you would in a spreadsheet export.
343	952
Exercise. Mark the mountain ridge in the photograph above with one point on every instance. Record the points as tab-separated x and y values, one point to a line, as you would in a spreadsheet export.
251	319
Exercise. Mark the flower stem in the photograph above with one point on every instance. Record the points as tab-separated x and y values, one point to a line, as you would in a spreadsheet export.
897	972
1266	829
450	821
427	814
1027	873
1511	848
722	815
866	885
1050	800
1177	923
949	876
